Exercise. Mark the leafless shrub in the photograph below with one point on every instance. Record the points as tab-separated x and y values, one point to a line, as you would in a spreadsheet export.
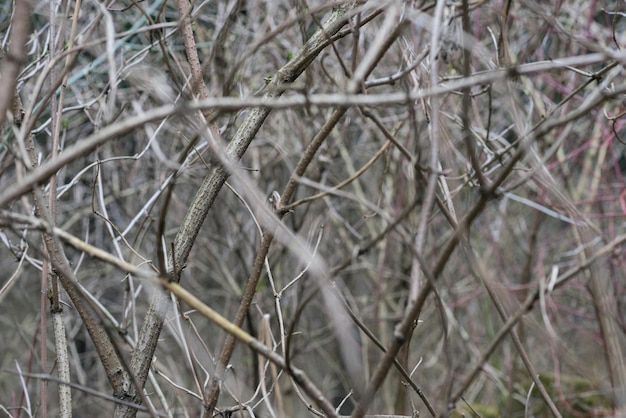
313	208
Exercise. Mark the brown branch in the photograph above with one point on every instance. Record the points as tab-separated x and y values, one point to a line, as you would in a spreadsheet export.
342	184
198	86
14	59
103	344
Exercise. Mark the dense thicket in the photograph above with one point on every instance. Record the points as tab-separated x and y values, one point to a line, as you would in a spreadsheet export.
346	185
